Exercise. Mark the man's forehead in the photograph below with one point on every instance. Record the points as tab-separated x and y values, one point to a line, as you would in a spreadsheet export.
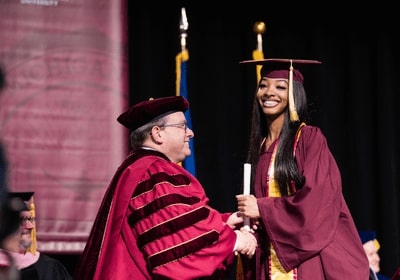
370	246
179	116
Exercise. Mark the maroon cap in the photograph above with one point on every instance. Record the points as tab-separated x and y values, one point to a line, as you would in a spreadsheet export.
23	196
278	68
146	111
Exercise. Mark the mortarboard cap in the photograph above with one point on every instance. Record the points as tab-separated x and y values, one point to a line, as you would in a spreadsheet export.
23	196
282	68
279	68
146	111
369	235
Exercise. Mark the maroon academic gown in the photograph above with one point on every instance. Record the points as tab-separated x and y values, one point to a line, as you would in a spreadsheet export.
311	230
155	223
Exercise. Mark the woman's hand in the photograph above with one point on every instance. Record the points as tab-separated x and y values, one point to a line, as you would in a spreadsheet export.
247	206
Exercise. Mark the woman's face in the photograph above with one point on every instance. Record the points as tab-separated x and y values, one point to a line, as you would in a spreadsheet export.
272	95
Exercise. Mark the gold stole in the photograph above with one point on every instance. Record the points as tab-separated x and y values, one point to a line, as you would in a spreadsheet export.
277	272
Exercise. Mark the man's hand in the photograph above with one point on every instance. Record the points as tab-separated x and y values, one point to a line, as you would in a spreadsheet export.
235	220
246	243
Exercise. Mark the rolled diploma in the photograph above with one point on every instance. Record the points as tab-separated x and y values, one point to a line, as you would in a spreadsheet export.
246	189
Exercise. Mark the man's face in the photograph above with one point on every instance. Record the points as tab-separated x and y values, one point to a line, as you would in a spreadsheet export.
27	224
175	136
372	254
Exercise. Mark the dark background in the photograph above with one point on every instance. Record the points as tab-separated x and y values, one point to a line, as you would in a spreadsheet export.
352	94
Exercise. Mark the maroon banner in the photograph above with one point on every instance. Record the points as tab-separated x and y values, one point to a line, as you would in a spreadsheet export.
66	71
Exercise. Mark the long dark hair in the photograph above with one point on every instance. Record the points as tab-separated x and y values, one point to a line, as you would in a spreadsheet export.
286	171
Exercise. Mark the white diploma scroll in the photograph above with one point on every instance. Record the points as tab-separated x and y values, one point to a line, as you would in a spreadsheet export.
246	189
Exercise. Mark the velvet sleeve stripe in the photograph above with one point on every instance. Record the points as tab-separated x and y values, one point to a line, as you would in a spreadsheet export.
147	185
172	226
160	203
182	250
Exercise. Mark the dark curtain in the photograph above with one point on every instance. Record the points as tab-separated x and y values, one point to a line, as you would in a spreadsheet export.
352	94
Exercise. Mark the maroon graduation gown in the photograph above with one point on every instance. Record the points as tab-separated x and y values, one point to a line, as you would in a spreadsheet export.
311	230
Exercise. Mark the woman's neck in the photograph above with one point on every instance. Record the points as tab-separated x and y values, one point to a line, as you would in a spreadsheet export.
274	129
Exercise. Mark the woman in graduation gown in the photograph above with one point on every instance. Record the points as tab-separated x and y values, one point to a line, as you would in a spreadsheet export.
304	227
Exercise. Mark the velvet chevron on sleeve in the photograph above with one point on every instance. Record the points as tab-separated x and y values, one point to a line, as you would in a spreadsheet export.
158	225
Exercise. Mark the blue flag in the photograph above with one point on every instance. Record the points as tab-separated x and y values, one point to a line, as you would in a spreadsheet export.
181	89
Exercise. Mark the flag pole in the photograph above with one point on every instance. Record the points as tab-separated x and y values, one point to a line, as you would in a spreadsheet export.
183	55
182	59
183	28
259	27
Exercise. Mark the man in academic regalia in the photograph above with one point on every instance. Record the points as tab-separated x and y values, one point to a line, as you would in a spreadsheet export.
21	247
371	247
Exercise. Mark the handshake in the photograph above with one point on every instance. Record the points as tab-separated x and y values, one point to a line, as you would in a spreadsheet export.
246	243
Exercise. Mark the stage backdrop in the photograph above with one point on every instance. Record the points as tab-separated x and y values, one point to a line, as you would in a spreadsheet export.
352	94
66	70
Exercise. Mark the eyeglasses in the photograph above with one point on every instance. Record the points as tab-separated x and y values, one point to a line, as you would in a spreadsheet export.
179	125
24	220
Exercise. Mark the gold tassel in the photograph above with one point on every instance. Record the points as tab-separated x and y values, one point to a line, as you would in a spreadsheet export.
32	248
292	107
